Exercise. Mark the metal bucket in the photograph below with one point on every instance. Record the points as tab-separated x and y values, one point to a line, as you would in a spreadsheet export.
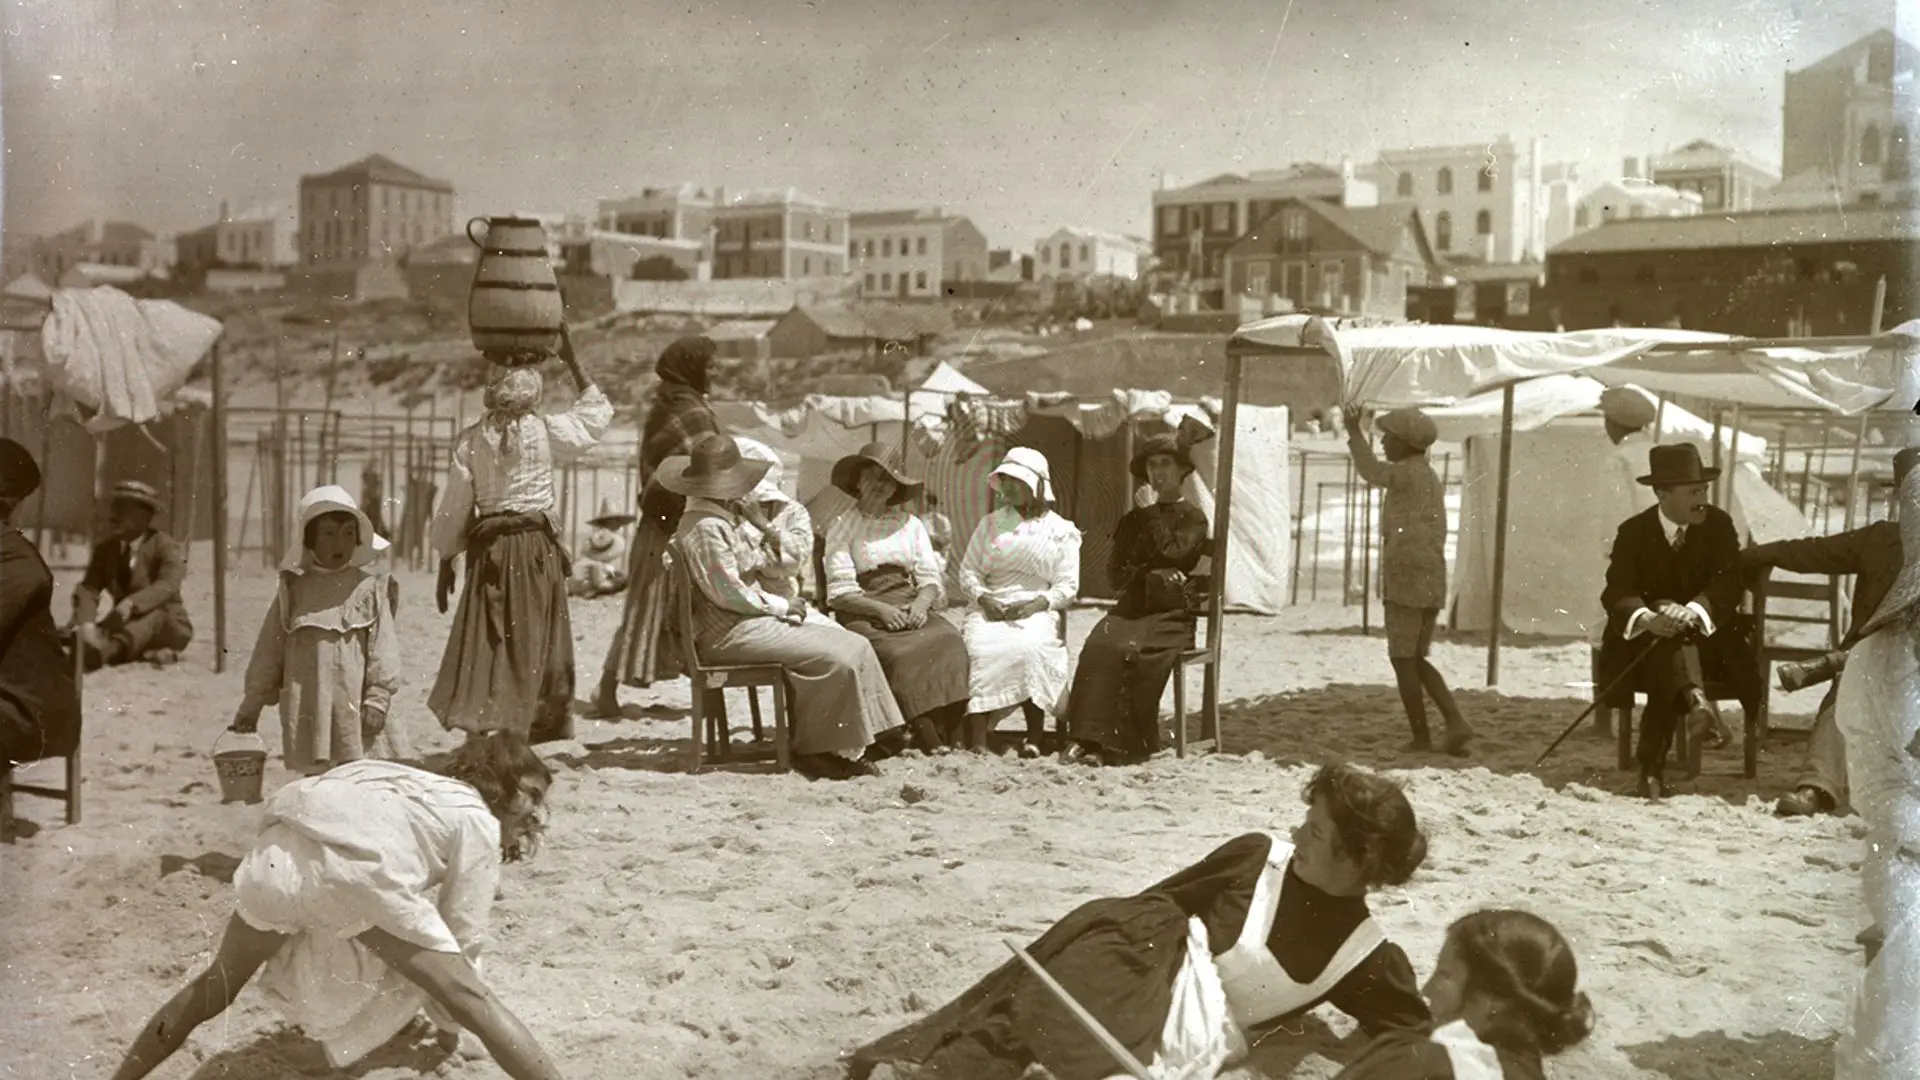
240	760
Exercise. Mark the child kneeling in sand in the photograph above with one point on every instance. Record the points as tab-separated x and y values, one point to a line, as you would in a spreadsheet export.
326	655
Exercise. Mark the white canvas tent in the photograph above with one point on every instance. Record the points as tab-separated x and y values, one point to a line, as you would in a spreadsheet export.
1383	367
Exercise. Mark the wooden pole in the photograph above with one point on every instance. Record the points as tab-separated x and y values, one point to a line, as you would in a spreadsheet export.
46	457
1500	536
1299	527
1222	525
1879	304
246	502
1733	462
1853	475
1086	1019
1319	506
1366	558
219	514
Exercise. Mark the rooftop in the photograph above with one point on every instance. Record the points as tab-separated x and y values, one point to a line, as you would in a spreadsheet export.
378	169
871	319
873	219
1777	228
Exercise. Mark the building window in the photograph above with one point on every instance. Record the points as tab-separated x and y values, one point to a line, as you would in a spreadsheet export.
1066	255
920	246
1870	145
920	279
806	267
886	247
1170	221
1580	217
869	282
809	235
1485	178
1222	214
1711	197
1293	225
886	282
829	232
1443	230
1404	186
1257	279
869	249
1483	223
853	250
1443	183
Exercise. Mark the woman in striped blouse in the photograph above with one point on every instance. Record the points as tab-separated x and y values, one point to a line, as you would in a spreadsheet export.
884	583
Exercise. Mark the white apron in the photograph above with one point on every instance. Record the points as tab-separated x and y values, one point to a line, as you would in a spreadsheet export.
1471	1059
1217	998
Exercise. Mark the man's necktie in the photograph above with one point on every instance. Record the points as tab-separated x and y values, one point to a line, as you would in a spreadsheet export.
1679	537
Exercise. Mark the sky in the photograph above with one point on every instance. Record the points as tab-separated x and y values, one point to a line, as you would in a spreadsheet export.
1023	116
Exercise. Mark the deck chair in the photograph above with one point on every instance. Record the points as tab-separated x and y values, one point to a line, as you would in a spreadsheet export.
1829	591
711	734
70	795
1718	691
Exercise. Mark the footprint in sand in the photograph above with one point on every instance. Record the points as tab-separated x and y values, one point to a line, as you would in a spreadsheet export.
1662	958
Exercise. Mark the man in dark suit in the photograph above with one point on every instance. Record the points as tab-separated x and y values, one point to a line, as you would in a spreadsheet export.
1874	554
141	568
1673	589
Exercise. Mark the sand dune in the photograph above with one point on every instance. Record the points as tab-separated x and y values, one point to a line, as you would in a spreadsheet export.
740	924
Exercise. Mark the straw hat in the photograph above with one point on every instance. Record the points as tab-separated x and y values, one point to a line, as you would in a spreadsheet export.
610	515
1627	407
846	473
1168	445
333	499
1410	426
1676	464
19	473
714	470
134	491
1030	467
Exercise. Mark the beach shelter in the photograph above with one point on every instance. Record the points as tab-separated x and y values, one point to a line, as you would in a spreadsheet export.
1393	366
107	375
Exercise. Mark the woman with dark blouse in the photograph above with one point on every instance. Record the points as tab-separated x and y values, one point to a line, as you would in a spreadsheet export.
1112	713
1278	927
39	707
1505	994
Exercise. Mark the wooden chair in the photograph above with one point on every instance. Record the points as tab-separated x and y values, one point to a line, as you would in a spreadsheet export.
1207	658
1718	691
711	733
71	794
1829	591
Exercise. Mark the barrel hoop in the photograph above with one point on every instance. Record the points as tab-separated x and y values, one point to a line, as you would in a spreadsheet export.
528	252
522	286
547	331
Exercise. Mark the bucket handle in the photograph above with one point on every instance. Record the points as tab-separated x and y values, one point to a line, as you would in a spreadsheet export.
477	242
253	741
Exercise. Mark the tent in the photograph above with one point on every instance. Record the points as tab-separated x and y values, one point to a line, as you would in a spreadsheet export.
76	418
1385	367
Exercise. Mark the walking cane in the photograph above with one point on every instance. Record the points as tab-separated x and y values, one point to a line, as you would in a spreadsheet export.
1094	1028
1652	644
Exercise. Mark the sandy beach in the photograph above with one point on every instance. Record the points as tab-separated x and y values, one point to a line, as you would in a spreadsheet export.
742	924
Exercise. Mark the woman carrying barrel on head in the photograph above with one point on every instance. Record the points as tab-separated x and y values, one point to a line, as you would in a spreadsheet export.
509	657
1261	930
646	648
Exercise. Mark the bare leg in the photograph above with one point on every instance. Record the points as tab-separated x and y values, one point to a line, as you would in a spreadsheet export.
1458	733
242	950
450	980
1406	677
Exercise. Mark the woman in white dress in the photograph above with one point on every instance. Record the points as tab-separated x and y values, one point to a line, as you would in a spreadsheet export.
366	897
1878	710
1021	568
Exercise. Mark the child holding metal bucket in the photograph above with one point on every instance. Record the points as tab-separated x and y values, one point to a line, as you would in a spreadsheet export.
326	656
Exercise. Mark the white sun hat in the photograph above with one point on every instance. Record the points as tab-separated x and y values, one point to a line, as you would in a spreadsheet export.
1030	467
333	499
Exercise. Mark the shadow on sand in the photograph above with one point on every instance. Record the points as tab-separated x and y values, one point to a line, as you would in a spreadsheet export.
285	1054
1508	640
214	864
664	755
1715	1055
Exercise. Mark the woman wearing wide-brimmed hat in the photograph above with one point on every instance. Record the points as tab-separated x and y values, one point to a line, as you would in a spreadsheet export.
839	693
1022	566
884	583
39	710
646	648
1878	710
1112	711
508	663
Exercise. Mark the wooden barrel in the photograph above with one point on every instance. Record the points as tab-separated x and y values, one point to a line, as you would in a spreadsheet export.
514	306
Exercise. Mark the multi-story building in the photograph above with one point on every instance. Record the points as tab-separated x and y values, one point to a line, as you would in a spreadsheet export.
780	234
258	237
94	243
1082	253
1559	202
1725	179
914	253
372	210
1193	226
1632	199
1315	255
676	213
1477	202
1846	127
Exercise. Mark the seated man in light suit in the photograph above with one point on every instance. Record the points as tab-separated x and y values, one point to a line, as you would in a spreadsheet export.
1672	598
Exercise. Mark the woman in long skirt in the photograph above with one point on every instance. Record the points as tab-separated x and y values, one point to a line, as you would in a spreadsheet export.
839	696
646	648
1878	710
1113	710
884	583
1022	568
508	664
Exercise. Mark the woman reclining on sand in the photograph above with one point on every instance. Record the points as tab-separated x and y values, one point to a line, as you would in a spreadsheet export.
367	896
1504	995
1188	974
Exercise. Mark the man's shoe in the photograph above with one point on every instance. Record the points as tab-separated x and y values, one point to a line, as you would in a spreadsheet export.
1804	802
1460	744
1704	722
1651	788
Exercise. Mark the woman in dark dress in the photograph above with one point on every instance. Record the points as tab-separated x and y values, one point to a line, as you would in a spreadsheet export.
884	583
1504	994
1274	928
1113	707
646	648
39	708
